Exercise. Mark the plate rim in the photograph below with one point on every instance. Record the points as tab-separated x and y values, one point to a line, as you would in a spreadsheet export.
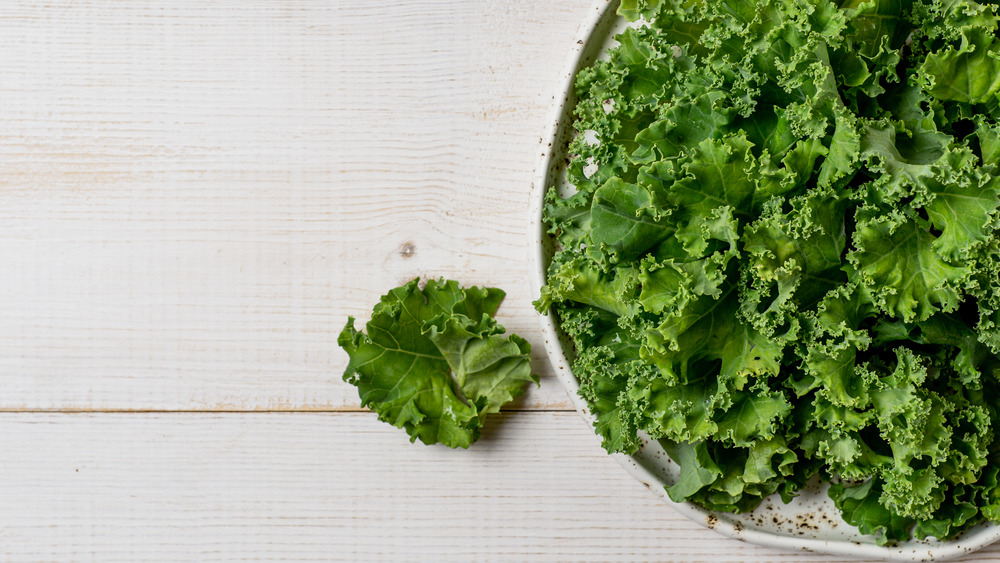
554	135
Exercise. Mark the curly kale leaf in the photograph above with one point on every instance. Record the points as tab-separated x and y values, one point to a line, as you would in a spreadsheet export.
434	361
896	262
859	506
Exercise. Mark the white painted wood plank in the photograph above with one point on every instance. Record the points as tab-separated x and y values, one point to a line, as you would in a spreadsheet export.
197	193
171	487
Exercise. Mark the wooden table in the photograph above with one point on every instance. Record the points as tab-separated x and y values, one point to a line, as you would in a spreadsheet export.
196	196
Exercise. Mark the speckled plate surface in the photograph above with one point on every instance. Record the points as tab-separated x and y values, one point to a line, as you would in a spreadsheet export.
810	522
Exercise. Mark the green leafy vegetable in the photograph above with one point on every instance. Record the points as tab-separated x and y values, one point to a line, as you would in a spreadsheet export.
434	362
781	259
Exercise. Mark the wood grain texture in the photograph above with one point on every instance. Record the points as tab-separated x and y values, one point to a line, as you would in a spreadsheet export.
197	194
330	486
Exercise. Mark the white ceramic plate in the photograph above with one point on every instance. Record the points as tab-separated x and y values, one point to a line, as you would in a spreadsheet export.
810	522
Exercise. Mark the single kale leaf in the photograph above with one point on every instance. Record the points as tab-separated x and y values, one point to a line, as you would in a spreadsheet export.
778	253
435	362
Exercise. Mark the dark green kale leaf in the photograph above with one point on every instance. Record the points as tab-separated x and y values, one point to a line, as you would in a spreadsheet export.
435	362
